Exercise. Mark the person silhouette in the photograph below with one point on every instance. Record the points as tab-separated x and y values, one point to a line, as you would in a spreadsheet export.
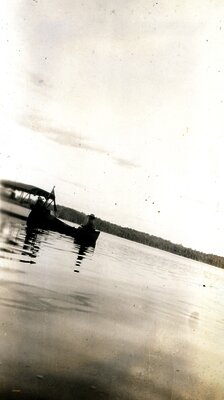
90	222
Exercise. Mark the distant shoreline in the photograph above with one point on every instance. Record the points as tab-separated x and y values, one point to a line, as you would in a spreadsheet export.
72	215
75	216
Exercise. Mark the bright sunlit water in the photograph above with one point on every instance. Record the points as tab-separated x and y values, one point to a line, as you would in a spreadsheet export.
121	321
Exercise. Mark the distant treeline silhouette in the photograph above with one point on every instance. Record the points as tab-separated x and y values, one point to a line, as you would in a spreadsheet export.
75	216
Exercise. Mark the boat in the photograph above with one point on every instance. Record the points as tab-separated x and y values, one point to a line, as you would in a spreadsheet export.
41	218
38	212
86	236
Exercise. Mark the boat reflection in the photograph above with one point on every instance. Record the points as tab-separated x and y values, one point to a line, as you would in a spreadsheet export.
83	251
32	243
19	242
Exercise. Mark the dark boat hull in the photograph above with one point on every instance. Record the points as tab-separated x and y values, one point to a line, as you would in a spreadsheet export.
47	221
86	236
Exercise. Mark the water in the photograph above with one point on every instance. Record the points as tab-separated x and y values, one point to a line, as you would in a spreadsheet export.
121	321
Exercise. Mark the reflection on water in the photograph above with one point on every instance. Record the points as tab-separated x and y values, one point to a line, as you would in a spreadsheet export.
83	251
32	243
136	323
17	239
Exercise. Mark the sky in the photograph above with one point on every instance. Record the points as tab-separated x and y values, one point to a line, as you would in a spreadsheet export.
120	105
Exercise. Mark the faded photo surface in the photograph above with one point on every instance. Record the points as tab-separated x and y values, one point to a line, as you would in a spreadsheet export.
111	209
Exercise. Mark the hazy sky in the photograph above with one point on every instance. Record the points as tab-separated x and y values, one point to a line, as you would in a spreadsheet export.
120	105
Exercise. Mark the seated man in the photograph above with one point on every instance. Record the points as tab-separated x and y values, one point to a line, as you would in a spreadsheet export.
89	224
40	207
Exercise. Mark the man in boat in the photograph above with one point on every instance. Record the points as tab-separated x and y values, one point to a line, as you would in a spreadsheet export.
87	233
90	222
40	207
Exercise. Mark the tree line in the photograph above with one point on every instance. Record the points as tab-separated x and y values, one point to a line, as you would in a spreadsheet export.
78	217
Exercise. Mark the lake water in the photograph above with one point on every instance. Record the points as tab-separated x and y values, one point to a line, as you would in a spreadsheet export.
121	321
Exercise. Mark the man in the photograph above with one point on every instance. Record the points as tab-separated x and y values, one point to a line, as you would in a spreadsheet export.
90	223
